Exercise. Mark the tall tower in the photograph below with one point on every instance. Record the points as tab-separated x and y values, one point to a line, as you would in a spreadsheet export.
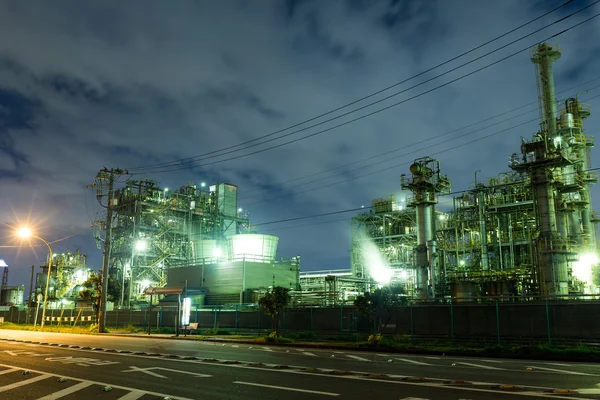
542	158
426	182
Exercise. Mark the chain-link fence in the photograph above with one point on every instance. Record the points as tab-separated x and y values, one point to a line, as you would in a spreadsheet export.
491	321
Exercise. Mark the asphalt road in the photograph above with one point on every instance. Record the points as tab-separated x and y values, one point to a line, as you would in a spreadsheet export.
106	367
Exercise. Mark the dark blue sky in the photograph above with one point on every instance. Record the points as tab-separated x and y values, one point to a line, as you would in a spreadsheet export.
123	84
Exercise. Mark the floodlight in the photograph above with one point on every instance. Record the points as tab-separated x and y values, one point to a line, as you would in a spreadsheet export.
141	245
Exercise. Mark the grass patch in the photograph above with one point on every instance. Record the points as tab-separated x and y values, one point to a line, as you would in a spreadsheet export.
85	329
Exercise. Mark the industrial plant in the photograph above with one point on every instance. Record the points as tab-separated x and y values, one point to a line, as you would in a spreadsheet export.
194	237
525	233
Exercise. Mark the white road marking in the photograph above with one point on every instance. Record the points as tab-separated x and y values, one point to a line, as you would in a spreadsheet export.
559	364
128	389
287	388
145	371
413	398
149	372
235	345
433	358
8	371
478	365
306	353
408	360
67	391
25	382
266	349
493	361
358	358
132	396
562	371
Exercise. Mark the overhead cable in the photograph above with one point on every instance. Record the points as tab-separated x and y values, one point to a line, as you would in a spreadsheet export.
212	154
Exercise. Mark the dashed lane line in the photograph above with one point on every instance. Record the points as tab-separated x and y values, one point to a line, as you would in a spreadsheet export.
358	358
307	353
286	388
25	382
493	361
408	360
562	371
67	391
478	365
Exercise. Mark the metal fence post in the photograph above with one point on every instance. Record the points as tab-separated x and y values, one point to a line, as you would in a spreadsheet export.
548	323
452	321
412	328
236	317
215	322
497	323
258	321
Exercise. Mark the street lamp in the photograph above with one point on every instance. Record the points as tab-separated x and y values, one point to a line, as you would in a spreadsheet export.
26	233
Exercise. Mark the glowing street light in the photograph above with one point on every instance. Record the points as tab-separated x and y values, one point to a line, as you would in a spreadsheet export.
25	233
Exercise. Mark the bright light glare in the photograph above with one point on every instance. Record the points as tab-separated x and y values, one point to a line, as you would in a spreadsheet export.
145	283
375	262
217	252
403	274
24	232
141	245
582	269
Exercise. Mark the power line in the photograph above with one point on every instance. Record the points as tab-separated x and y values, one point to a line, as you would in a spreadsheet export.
406	162
413	144
406	154
212	153
379	110
367	208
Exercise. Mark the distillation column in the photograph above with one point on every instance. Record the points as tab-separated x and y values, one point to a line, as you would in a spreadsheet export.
426	182
551	246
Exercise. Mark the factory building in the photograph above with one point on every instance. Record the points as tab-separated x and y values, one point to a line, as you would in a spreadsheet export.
195	236
68	273
527	232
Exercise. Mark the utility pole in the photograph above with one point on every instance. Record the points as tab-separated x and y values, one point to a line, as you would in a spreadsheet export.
30	301
103	176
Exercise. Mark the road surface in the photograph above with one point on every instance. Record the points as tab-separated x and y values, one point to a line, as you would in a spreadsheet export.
47	366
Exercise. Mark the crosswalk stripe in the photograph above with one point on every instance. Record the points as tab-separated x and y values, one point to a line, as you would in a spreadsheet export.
67	391
478	365
408	360
132	396
562	371
358	358
25	382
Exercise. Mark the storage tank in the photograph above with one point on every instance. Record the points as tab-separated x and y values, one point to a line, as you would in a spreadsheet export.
253	247
205	249
12	295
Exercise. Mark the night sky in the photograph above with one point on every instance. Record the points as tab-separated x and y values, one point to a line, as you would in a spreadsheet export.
121	84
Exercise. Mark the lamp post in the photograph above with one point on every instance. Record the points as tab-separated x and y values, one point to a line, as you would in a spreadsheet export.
26	233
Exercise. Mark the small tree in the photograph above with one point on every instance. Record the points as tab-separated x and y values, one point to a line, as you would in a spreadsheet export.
93	290
274	302
385	300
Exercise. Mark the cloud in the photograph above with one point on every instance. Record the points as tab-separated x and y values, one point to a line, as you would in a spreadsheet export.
123	84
